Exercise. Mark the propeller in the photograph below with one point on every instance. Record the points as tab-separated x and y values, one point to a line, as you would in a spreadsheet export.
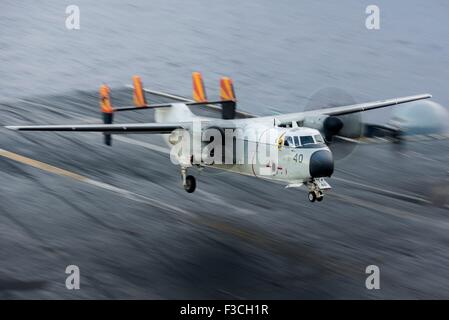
420	120
340	131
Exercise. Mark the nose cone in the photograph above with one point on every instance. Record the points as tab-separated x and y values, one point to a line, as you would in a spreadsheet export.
321	164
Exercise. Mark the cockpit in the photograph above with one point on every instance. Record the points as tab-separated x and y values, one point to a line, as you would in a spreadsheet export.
303	141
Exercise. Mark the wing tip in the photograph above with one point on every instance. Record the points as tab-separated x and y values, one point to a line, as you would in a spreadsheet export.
12	128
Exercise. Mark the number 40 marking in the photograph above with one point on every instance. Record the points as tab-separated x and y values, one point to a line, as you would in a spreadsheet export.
298	157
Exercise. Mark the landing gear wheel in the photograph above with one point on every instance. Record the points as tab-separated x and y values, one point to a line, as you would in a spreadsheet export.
319	196
190	184
312	196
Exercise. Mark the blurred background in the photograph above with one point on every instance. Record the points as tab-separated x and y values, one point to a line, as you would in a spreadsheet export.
279	55
236	237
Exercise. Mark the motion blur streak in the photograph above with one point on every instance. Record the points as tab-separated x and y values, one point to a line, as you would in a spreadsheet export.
62	172
116	228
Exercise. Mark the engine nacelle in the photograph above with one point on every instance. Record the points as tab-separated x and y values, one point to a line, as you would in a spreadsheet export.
315	122
327	125
332	125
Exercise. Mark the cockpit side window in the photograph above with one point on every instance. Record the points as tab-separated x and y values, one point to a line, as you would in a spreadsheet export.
288	141
307	140
318	138
297	144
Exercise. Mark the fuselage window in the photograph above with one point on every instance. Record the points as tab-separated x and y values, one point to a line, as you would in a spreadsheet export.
297	144
307	140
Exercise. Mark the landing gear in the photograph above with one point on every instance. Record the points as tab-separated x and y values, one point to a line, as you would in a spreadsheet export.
316	196
190	184
316	187
312	196
188	181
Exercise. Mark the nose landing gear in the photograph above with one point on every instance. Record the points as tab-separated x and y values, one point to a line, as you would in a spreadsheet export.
316	187
315	196
312	196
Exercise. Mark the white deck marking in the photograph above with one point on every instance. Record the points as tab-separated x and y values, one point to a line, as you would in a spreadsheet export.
384	191
143	144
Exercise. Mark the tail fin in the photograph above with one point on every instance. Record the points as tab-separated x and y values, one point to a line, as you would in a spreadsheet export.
106	110
227	89
138	93
199	91
227	94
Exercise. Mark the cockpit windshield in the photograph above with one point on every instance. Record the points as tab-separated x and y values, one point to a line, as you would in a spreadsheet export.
297	144
303	141
307	140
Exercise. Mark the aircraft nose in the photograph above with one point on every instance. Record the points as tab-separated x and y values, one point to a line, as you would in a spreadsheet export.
321	164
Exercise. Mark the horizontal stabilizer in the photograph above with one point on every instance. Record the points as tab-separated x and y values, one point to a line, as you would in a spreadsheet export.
238	113
168	105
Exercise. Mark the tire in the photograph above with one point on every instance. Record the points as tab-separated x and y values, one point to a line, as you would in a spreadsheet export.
190	185
312	196
319	196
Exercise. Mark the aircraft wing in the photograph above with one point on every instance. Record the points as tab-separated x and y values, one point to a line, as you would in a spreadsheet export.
155	128
338	111
162	128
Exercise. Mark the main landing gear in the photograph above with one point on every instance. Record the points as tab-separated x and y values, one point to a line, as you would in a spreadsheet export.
316	187
188	181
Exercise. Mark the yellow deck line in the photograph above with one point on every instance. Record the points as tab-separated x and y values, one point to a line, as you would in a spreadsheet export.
41	165
122	192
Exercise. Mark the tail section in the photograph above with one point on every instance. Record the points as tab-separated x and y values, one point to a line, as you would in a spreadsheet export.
171	112
199	91
107	111
227	95
138	93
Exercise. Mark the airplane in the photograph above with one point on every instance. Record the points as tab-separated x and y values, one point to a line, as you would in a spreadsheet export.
292	149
